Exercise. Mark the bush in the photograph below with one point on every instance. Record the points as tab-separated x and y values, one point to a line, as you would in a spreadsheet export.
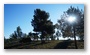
25	40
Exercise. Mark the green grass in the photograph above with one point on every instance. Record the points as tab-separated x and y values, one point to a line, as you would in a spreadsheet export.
48	45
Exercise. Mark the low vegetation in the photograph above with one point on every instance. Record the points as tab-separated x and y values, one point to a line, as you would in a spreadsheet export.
55	44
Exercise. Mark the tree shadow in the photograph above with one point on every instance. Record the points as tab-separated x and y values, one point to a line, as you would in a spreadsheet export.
63	45
41	43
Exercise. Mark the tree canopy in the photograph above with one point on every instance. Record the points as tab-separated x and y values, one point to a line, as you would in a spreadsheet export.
66	27
41	23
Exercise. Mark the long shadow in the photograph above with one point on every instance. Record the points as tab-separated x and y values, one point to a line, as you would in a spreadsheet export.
63	45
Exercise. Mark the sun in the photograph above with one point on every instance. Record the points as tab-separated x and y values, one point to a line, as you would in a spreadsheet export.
71	19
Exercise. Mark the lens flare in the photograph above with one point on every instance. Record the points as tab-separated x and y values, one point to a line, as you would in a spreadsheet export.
71	19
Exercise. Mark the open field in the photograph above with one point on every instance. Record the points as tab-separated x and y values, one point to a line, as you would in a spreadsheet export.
56	44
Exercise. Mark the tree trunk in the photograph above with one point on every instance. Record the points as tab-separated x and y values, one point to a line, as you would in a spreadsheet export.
42	38
75	38
37	39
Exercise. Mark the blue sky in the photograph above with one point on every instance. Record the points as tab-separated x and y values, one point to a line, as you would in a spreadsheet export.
22	15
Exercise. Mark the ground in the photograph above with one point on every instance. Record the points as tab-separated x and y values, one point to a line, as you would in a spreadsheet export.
56	44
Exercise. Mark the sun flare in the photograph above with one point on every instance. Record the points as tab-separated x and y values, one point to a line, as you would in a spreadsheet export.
71	19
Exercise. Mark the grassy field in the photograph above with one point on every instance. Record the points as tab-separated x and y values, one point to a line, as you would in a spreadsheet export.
56	44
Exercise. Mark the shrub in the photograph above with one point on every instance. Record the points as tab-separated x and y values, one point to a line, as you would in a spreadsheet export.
25	40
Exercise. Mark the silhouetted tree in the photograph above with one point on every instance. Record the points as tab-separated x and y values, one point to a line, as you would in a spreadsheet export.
52	37
58	35
25	40
80	19
78	25
13	35
16	36
58	32
19	32
30	34
5	40
41	23
35	36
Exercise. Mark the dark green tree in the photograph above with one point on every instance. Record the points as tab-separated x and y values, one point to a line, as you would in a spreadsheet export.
5	40
41	23
13	35
35	36
19	32
30	34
